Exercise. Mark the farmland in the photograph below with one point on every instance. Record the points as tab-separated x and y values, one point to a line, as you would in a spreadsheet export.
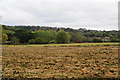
61	60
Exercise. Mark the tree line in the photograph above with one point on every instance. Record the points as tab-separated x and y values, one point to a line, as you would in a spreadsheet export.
46	35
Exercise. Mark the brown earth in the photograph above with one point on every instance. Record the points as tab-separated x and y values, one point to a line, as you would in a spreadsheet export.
60	62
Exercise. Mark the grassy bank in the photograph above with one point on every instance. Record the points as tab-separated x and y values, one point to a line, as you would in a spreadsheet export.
69	45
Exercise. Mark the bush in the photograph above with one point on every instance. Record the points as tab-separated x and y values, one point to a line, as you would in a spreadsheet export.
62	37
31	41
52	41
38	41
14	40
97	40
4	38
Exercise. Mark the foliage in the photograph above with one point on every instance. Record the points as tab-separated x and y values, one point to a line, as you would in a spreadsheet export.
41	41
62	37
97	40
23	35
48	35
78	37
14	40
27	34
4	38
9	33
31	41
38	41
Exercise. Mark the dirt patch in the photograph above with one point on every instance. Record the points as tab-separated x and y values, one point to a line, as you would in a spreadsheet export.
60	62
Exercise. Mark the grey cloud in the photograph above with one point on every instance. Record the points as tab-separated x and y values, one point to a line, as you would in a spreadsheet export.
91	14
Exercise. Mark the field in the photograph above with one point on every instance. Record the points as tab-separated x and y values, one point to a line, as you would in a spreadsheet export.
61	60
71	45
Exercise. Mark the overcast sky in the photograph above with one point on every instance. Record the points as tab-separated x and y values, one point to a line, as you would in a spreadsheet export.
90	14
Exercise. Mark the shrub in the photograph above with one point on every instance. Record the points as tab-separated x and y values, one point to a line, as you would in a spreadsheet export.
38	41
31	41
62	37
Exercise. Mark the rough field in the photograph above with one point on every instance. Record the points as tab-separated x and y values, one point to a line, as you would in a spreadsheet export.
60	62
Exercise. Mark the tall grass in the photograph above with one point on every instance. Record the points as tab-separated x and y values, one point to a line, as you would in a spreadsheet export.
70	45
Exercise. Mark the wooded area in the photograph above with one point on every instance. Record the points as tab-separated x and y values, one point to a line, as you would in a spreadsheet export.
46	35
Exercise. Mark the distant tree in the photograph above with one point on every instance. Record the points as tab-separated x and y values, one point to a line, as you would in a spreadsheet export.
48	35
52	35
89	39
11	28
23	35
97	40
62	37
114	39
38	41
9	33
89	34
52	41
31	41
14	40
41	41
4	38
77	37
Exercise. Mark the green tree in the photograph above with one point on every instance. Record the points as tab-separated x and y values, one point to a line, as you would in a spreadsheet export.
38	41
23	35
114	39
9	33
4	38
14	40
62	37
48	35
97	40
41	41
77	37
31	41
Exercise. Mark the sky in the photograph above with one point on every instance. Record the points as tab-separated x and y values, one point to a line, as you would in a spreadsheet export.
89	14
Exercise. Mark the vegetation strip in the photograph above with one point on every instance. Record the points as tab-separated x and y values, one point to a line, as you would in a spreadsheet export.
70	45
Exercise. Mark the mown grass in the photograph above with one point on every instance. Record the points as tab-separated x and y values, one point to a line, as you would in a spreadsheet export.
70	45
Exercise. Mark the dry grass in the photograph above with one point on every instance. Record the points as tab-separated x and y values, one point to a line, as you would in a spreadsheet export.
70	45
60	62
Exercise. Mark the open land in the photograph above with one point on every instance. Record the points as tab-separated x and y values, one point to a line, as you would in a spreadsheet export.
35	61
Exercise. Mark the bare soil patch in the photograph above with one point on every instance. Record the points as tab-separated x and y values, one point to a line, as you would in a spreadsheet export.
60	62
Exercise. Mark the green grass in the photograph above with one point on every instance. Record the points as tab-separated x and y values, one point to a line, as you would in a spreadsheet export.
70	45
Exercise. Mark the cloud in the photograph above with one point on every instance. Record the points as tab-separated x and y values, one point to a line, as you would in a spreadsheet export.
90	14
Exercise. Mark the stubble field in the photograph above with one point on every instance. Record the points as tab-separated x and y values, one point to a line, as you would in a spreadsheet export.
60	62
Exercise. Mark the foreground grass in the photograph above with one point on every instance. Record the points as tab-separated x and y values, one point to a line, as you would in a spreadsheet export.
70	45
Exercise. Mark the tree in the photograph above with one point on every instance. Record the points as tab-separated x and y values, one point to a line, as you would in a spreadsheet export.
31	41
4	38
77	37
41	41
14	40
48	35
97	40
23	35
9	33
114	39
38	41
62	37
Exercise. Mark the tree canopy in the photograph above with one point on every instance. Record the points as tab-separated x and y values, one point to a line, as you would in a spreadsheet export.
62	37
46	35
